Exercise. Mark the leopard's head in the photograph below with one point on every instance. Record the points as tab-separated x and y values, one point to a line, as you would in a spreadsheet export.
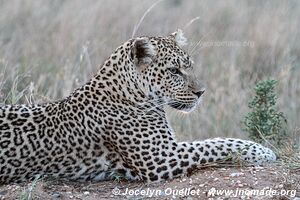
166	72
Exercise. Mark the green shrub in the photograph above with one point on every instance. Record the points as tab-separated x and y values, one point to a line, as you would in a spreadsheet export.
265	122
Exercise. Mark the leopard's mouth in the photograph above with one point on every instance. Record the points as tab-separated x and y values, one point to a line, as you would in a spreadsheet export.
184	106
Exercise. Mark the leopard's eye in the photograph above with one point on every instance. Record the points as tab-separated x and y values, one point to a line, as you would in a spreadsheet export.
174	70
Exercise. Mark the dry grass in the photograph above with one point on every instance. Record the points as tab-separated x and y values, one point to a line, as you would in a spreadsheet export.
47	48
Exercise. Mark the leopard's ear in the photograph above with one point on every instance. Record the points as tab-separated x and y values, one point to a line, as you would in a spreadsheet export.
179	38
143	52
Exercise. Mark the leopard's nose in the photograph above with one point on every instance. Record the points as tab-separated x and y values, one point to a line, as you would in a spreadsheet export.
199	93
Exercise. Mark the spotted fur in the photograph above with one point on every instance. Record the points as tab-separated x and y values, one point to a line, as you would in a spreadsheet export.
116	122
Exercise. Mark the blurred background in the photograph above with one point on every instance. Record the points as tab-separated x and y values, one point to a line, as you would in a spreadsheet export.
48	48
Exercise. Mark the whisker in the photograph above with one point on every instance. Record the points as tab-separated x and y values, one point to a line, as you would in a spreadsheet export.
159	105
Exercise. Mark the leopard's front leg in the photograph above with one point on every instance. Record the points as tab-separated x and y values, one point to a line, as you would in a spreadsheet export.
166	159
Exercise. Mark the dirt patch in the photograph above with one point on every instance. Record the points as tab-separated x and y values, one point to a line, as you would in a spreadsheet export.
271	182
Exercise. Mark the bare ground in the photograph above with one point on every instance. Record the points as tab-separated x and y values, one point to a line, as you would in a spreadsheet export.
268	182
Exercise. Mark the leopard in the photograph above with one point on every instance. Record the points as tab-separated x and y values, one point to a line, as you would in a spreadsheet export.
117	122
